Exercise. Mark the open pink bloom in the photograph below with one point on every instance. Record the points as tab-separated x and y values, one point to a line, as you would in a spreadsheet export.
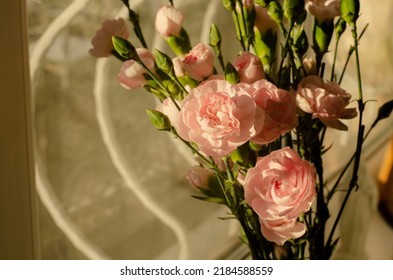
326	101
199	62
279	231
102	41
280	187
131	72
280	111
219	117
168	21
263	21
249	67
323	10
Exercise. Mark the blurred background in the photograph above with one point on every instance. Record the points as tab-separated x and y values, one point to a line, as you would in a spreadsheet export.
112	187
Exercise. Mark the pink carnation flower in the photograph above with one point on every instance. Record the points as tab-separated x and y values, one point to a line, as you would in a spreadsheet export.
168	108
323	10
168	21
249	67
131	72
279	188
219	117
199	62
280	111
279	231
102	41
326	101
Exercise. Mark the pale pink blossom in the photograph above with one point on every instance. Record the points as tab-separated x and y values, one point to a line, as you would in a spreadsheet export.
131	72
168	21
280	110
310	66
178	66
263	21
279	188
102	41
323	10
324	100
168	108
199	177
199	62
279	231
219	117
249	68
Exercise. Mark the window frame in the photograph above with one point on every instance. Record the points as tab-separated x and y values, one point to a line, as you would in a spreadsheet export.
18	207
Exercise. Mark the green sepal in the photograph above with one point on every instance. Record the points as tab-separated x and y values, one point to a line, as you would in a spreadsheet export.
322	35
214	36
350	10
265	47
180	45
384	111
124	48
159	120
275	11
163	62
231	74
263	3
294	10
340	27
230	5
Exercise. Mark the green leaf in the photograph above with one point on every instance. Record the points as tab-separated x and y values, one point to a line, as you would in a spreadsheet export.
210	199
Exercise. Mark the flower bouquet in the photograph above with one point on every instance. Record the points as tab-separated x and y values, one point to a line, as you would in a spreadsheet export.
256	123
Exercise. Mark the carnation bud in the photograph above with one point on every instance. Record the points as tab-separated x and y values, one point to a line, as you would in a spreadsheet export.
322	35
294	10
384	111
180	44
159	120
265	47
231	74
275	11
350	10
230	5
124	48
215	36
340	27
163	61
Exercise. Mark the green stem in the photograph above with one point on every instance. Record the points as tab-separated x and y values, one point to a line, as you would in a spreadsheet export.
334	59
353	183
178	83
238	29
167	94
284	54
